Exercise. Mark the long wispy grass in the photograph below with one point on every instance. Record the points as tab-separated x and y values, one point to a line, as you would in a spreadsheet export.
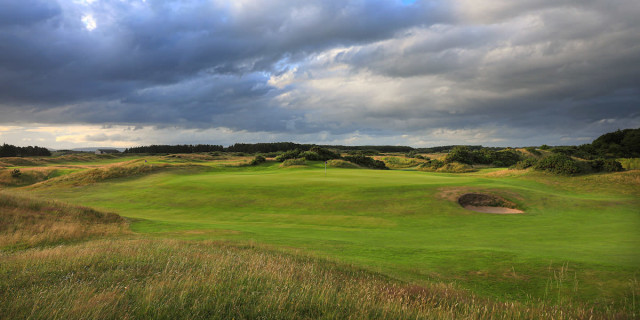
170	279
28	222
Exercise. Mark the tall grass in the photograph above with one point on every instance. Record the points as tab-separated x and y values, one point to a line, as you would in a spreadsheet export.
630	163
169	279
401	162
27	222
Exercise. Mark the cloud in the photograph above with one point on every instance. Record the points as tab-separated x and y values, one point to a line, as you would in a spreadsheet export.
429	71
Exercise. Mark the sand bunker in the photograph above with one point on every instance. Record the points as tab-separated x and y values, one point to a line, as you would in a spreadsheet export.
487	203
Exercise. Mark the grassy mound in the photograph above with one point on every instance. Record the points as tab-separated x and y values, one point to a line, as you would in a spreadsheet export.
293	163
119	170
26	222
26	177
341	164
401	163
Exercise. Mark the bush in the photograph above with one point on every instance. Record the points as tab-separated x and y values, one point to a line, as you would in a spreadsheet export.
310	155
291	154
431	165
606	165
544	147
258	160
460	154
558	163
505	158
324	154
16	173
525	163
365	161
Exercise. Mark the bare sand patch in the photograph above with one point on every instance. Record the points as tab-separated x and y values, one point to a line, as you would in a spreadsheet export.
486	203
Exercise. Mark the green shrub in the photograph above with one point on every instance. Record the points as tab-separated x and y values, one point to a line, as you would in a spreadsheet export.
606	165
16	173
558	163
310	155
431	165
291	154
525	163
544	147
365	161
505	158
258	160
324	154
460	154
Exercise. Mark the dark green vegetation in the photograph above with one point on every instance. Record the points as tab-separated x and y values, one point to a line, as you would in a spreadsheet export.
378	244
7	150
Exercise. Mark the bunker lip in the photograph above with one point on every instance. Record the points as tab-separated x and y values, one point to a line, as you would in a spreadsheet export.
486	203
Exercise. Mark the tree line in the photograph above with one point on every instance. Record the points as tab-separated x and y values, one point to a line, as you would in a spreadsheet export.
8	150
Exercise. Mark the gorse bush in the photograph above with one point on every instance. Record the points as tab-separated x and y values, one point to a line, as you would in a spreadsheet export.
460	154
258	160
291	154
558	163
431	165
15	173
365	161
606	165
502	158
525	163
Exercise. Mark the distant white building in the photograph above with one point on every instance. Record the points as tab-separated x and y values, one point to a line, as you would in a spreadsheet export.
106	151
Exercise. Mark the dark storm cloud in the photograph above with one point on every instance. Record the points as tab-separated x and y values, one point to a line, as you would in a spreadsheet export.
49	59
381	67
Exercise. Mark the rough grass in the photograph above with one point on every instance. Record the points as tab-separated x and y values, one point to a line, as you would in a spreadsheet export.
293	163
27	222
630	163
336	163
125	169
27	176
401	162
170	279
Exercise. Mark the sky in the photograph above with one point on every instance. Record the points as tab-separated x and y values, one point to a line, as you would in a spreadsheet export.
121	73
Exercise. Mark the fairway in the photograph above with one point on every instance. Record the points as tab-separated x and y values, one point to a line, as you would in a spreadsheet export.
576	240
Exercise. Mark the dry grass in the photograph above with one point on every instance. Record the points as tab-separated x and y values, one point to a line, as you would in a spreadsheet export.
400	162
336	163
112	171
26	222
27	176
168	279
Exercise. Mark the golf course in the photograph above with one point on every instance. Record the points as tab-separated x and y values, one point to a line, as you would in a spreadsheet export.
570	252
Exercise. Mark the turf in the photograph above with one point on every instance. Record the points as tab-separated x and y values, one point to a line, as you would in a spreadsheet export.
578	239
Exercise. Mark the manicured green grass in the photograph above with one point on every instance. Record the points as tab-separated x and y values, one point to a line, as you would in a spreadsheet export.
576	242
